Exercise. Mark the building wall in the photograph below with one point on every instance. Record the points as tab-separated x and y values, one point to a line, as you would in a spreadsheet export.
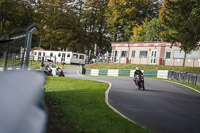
137	59
176	58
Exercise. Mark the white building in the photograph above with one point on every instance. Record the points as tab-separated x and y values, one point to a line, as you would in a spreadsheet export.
153	53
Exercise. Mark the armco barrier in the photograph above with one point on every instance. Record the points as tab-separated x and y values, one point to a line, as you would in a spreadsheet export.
113	73
182	76
88	71
132	73
190	78
94	72
150	73
198	79
103	72
1	69
162	74
124	73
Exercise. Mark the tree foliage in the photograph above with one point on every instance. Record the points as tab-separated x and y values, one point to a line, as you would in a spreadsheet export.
181	23
124	15
14	14
148	31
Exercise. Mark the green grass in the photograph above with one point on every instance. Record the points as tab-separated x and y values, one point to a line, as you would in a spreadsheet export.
142	67
78	106
32	64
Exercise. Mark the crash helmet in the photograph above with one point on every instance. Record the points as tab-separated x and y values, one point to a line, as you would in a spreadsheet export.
137	68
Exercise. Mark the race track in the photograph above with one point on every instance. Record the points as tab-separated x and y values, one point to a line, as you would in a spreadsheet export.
164	107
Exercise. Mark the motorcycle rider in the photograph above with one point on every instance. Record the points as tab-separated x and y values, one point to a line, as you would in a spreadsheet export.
137	72
48	70
59	71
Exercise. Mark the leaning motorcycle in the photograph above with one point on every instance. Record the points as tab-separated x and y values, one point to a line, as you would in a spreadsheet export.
60	72
48	71
139	81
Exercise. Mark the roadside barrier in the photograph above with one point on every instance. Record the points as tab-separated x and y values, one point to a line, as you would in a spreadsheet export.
191	78
125	73
13	69
162	74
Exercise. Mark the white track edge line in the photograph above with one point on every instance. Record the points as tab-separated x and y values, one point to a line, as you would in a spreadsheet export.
106	101
114	109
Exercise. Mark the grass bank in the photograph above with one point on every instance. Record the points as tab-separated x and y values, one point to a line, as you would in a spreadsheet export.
142	67
32	64
78	106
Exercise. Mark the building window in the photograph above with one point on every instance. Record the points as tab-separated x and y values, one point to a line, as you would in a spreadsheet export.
113	53
168	55
143	54
124	54
59	54
43	53
63	54
51	54
68	55
133	54
178	54
81	57
193	55
35	53
39	54
75	55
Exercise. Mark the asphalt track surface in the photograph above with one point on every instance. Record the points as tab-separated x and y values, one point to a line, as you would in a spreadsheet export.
164	107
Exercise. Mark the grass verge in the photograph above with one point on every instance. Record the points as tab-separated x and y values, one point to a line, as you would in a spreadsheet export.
32	64
78	106
142	67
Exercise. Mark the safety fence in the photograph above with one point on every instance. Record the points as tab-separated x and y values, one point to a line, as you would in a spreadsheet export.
126	73
191	78
13	68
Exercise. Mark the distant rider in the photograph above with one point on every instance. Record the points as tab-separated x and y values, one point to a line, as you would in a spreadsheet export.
137	72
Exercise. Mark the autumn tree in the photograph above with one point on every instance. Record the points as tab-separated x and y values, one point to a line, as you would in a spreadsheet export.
124	15
58	25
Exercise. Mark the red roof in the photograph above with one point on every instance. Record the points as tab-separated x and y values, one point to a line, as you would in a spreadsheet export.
143	44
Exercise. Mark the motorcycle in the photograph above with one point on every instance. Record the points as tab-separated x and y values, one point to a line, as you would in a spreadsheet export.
139	81
60	72
48	71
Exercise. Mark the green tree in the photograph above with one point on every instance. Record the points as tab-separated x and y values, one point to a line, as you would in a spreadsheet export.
148	31
15	14
154	30
181	23
92	17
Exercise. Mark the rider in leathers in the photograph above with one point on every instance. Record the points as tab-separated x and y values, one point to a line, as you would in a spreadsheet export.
137	72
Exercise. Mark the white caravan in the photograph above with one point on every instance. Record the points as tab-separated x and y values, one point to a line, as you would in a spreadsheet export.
67	57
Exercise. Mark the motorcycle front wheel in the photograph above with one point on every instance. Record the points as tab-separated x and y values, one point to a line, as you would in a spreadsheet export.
142	85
